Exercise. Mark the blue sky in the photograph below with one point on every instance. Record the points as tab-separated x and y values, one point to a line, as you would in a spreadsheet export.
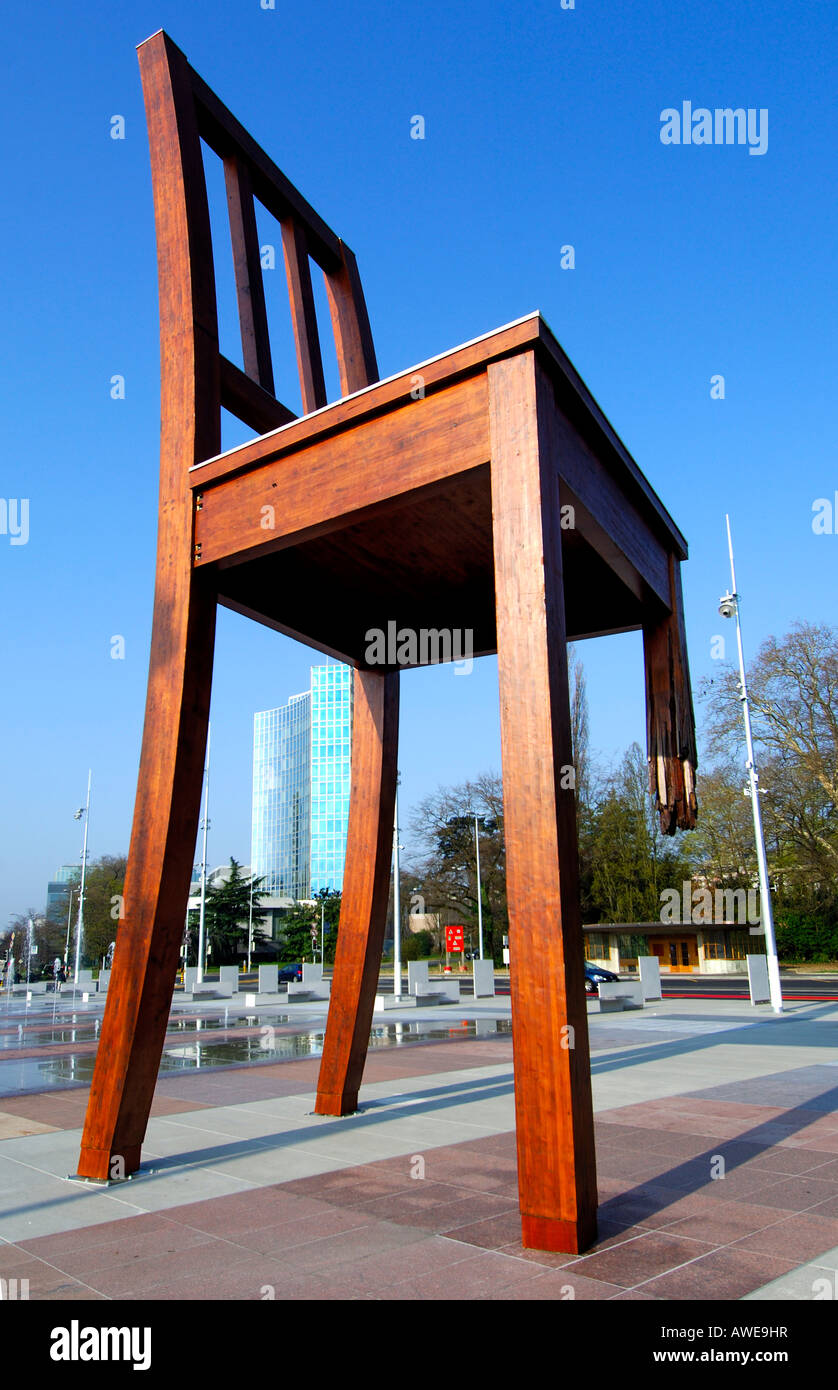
542	128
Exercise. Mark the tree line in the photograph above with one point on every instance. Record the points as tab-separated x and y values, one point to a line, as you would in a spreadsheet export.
625	863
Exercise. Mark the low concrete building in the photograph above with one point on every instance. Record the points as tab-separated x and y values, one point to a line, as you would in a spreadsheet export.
720	949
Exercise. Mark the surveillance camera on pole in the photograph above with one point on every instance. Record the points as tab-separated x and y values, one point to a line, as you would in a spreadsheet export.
727	605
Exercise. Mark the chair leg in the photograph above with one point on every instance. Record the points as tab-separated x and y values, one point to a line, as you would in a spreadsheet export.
554	1112
156	884
366	889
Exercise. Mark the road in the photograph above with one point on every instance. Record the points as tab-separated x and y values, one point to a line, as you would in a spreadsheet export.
801	987
692	986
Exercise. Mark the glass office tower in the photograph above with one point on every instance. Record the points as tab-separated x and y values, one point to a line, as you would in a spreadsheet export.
331	748
282	798
301	778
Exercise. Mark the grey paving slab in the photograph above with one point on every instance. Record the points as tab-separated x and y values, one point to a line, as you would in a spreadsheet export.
259	1168
168	1135
814	1087
815	1281
47	1205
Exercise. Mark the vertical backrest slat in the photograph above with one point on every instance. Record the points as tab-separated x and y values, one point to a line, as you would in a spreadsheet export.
183	112
250	291
303	314
351	325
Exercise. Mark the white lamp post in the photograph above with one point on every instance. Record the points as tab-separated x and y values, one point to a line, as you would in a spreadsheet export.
479	894
200	975
397	943
82	811
69	929
729	606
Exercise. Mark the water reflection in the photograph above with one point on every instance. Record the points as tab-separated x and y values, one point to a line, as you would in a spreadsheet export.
272	1043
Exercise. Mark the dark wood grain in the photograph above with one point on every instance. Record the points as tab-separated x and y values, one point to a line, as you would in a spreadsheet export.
351	326
366	888
553	1105
177	708
247	400
324	483
670	722
303	315
250	291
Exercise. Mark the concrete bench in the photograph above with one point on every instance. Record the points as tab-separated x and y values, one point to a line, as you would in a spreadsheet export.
616	995
301	990
268	979
209	989
483	972
440	992
389	1001
427	991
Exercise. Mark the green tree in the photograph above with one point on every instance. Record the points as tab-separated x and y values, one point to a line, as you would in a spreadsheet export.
328	902
304	918
721	849
585	779
46	937
444	879
417	945
295	932
103	889
632	862
443	875
227	914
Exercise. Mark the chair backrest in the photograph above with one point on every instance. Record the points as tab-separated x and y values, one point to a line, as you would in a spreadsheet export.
181	110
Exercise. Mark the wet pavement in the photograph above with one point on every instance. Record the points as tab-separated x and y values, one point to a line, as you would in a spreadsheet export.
50	1043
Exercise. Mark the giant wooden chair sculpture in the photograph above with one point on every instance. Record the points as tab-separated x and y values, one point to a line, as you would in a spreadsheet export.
484	490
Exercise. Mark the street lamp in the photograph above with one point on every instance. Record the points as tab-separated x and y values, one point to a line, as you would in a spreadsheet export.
397	905
69	929
200	976
250	922
479	893
82	811
729	608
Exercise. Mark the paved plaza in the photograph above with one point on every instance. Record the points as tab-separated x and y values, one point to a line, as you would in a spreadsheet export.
717	1160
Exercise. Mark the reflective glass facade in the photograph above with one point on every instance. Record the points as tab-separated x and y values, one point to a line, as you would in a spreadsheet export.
282	798
331	748
301	777
57	889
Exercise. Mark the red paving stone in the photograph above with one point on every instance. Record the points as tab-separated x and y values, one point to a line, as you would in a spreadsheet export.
723	1274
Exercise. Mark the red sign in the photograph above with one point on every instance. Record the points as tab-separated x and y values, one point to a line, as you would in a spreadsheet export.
454	938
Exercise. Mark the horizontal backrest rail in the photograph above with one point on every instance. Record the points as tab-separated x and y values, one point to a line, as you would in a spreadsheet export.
247	400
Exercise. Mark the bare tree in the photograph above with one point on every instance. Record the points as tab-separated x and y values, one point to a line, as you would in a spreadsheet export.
793	694
442	861
579	726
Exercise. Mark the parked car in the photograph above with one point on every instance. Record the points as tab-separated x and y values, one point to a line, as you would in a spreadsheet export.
595	975
287	973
